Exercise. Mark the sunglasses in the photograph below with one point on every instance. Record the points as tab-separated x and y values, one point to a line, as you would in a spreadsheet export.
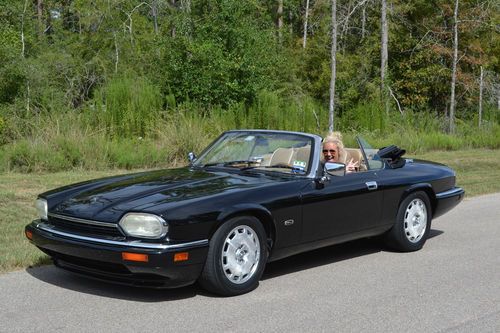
325	151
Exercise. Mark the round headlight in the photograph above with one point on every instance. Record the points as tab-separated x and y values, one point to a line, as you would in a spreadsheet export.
41	207
144	225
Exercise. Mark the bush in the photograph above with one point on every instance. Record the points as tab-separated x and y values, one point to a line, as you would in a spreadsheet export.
126	108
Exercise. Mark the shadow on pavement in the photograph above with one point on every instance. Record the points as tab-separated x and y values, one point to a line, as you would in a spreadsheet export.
434	233
324	256
329	255
60	278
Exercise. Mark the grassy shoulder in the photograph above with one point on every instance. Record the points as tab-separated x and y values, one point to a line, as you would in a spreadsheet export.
478	172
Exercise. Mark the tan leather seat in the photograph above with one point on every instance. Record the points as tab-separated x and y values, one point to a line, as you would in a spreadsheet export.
302	154
282	156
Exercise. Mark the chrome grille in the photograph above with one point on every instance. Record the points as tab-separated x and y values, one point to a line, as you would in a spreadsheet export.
84	227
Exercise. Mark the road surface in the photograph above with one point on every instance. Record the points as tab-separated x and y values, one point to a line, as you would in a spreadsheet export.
451	285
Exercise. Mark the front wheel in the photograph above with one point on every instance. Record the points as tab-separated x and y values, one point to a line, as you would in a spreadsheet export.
236	257
413	223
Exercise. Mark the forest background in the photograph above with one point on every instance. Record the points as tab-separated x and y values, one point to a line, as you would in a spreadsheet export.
128	84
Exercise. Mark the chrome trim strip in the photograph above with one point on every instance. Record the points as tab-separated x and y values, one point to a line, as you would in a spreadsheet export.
450	193
138	244
83	221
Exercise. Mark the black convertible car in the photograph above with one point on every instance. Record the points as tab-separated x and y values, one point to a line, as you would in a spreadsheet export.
251	197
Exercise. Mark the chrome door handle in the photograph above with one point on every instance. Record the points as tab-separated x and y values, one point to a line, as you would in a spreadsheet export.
371	185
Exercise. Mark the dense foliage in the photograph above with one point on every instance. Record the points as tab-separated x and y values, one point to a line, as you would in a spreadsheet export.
88	83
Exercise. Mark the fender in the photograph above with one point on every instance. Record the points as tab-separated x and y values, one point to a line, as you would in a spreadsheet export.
259	211
419	186
427	188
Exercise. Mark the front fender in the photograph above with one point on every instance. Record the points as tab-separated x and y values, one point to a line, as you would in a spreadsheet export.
259	211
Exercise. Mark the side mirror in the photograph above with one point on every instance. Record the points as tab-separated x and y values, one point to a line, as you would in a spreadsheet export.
335	169
191	157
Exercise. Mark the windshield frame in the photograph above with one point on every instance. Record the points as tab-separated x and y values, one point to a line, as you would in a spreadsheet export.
365	145
314	156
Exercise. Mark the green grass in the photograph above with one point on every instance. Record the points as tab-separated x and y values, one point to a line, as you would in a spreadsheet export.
478	172
17	195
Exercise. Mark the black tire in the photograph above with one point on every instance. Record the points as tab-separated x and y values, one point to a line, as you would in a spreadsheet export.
233	270
405	236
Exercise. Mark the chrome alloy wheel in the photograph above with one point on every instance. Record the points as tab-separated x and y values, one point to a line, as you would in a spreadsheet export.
240	254
415	220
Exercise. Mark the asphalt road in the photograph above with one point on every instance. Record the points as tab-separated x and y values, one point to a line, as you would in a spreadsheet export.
451	285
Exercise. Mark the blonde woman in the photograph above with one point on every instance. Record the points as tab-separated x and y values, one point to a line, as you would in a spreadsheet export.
333	151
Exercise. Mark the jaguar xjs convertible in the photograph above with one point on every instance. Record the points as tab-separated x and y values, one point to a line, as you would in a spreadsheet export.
251	197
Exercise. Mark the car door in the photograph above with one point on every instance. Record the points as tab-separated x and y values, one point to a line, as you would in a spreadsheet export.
340	206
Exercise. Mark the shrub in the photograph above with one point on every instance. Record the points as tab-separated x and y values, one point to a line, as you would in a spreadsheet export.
126	107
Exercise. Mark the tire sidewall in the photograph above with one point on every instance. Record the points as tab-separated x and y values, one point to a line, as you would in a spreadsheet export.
399	232
217	242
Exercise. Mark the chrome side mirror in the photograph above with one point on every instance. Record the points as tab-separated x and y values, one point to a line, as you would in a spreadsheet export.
191	157
335	169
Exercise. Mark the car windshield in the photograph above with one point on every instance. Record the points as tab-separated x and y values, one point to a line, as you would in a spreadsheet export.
273	151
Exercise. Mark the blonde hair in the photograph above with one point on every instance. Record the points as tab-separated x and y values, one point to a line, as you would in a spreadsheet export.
336	138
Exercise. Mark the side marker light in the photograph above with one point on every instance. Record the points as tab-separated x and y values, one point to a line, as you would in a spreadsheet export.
29	235
135	256
181	256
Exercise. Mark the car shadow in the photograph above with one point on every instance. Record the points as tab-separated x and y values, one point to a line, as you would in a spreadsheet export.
434	232
58	277
329	255
324	256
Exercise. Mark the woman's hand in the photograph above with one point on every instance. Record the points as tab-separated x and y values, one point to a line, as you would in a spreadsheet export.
351	166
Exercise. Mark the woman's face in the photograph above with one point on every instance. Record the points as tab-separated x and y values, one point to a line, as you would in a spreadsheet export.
330	152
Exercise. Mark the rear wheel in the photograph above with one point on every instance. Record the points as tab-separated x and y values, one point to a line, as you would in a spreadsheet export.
413	223
236	257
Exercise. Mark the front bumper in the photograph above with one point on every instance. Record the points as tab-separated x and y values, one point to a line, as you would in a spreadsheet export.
101	259
445	201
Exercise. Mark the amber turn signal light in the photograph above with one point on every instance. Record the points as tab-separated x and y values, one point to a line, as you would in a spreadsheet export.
181	256
135	256
29	234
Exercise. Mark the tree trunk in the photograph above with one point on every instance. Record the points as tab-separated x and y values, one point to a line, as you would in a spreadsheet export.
383	52
279	18
304	40
116	53
154	12
363	22
331	118
481	96
39	15
454	69
173	30
23	46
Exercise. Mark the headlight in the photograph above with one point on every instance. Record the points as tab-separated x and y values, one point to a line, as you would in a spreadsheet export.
144	225
41	207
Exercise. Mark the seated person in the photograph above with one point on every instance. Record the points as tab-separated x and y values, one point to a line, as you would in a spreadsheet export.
333	151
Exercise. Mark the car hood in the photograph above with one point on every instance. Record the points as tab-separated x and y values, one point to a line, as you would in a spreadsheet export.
108	199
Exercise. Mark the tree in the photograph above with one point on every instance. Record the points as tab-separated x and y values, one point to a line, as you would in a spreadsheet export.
451	127
306	17
333	59
383	49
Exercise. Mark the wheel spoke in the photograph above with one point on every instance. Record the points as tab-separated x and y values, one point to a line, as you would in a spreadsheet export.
240	254
415	220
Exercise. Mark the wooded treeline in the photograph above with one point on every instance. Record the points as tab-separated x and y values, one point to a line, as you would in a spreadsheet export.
118	67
